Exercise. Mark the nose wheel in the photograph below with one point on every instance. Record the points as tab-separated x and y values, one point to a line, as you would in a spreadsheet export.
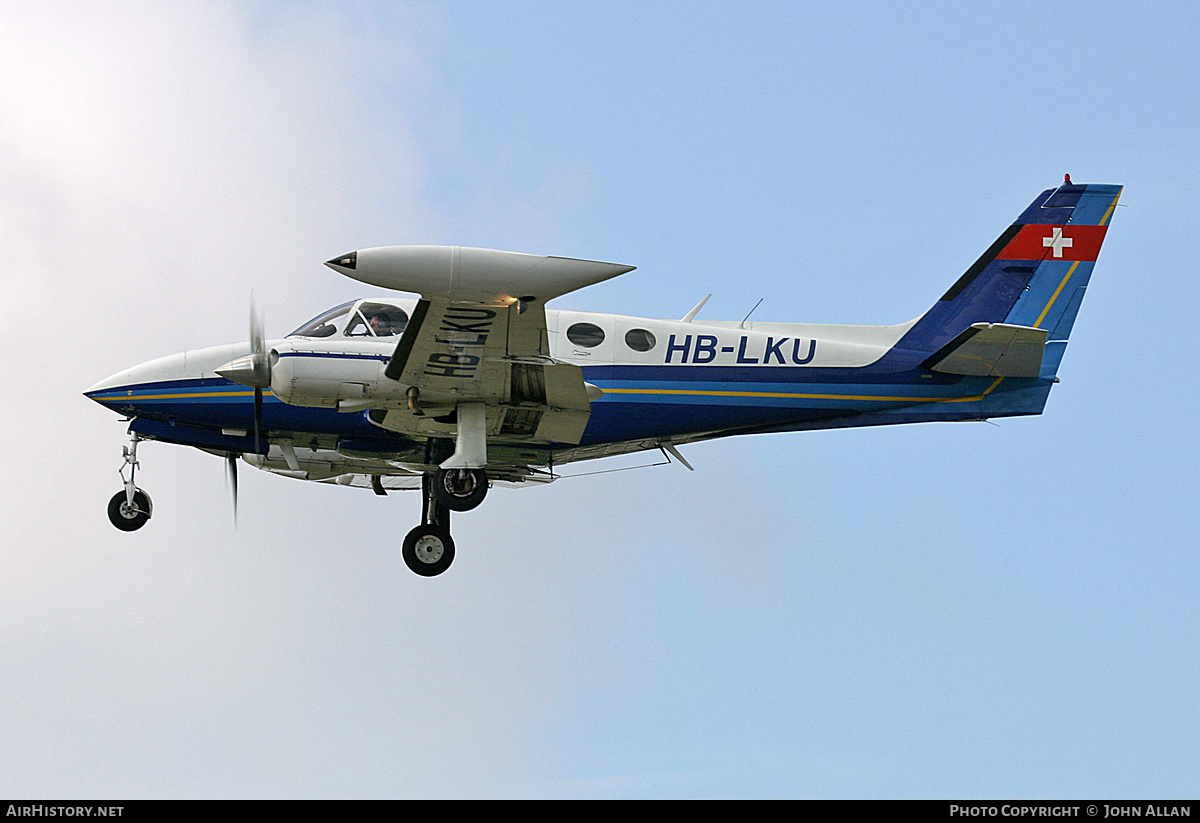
126	515
129	508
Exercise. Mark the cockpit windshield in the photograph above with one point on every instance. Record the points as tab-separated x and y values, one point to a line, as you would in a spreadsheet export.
366	319
323	325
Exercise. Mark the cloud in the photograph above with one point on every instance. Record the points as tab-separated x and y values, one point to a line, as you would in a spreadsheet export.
159	163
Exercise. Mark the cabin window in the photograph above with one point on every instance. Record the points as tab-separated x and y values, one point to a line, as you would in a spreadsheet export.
323	325
586	335
377	320
639	340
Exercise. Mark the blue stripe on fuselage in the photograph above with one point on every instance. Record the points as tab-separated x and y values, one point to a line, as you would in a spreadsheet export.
640	401
335	355
219	403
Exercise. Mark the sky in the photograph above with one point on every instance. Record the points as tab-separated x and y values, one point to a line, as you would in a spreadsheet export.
940	610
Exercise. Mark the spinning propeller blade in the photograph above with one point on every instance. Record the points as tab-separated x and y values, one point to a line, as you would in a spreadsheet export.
258	407
253	370
262	369
231	475
257	344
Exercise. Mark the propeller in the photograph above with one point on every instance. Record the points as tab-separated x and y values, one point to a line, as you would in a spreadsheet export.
231	459
253	370
261	365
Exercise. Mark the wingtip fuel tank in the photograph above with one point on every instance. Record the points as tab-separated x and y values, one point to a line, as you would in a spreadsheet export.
471	274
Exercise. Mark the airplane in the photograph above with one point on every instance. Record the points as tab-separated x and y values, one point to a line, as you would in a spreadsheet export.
473	382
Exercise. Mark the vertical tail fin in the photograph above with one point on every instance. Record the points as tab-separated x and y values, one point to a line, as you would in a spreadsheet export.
1034	275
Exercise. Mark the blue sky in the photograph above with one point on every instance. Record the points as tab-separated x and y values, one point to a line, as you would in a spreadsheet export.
947	610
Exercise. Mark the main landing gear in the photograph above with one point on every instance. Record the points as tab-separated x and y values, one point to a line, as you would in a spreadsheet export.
459	485
429	548
460	490
131	508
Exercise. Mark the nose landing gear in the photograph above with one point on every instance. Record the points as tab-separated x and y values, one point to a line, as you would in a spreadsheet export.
129	509
129	515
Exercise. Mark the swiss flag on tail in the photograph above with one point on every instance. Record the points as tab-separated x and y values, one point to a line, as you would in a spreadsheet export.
1046	242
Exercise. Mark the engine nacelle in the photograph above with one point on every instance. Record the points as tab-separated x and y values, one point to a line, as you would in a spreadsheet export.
323	374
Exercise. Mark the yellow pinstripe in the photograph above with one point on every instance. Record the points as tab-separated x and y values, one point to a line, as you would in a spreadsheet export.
806	396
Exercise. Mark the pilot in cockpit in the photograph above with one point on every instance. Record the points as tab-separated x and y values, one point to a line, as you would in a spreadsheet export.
376	320
382	324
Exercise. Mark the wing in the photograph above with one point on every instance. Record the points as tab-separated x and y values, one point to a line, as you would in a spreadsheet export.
478	334
451	348
453	352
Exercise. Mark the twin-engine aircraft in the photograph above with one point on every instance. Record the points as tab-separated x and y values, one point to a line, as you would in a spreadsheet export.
475	382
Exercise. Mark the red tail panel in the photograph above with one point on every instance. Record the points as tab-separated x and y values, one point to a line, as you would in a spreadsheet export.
1046	242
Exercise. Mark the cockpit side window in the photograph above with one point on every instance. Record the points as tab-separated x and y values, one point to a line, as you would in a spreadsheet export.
323	325
377	320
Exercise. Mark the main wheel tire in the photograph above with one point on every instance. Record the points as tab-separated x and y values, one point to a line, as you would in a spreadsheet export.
460	490
428	550
124	517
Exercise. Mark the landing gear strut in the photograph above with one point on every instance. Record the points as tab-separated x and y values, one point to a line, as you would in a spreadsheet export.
460	482
131	508
429	548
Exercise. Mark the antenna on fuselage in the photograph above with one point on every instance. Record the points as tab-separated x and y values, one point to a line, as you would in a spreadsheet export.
742	325
690	316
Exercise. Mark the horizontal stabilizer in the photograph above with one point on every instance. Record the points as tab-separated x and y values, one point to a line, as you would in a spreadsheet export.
992	350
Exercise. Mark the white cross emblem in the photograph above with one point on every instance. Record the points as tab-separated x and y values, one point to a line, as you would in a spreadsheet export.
1057	242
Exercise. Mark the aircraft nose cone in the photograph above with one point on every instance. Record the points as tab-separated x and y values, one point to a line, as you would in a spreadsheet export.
110	382
346	261
113	382
111	389
117	385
